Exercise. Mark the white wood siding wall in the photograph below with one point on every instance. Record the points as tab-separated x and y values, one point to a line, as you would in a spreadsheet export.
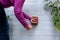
43	31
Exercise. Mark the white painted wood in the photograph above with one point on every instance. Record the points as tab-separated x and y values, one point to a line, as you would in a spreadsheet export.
43	31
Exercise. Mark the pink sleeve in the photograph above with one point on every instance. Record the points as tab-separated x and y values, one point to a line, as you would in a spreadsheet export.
18	4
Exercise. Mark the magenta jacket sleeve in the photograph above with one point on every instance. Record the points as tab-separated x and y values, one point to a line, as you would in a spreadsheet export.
18	4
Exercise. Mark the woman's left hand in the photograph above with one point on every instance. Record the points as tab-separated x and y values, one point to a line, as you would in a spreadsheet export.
34	20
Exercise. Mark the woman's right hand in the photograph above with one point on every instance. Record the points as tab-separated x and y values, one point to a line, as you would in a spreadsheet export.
29	27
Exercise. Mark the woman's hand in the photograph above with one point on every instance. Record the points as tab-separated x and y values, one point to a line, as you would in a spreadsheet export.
34	20
29	27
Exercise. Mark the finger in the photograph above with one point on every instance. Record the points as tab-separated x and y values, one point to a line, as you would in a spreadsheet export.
34	22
